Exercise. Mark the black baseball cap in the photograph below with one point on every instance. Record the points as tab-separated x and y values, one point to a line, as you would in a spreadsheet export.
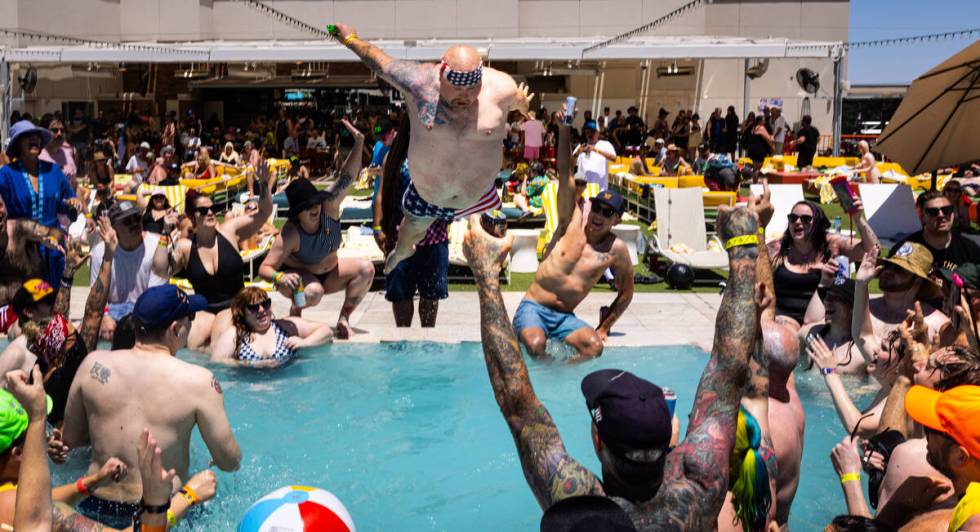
843	291
586	513
611	199
122	210
630	413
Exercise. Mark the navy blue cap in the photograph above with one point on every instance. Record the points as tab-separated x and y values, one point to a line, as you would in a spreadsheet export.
165	304
630	413
591	124
611	198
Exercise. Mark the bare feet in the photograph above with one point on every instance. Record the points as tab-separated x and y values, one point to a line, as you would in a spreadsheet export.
399	254
344	330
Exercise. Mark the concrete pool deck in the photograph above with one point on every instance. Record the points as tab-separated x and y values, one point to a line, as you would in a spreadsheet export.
652	319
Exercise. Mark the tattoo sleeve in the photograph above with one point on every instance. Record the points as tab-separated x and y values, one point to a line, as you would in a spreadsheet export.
64	519
550	472
711	432
624	295
98	296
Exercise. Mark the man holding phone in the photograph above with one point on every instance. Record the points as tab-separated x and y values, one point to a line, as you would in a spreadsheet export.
949	248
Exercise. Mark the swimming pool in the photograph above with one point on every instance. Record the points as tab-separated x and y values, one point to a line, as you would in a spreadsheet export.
409	437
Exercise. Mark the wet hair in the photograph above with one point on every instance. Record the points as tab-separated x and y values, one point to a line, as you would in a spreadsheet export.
962	369
153	334
857	523
749	476
249	295
124	336
818	232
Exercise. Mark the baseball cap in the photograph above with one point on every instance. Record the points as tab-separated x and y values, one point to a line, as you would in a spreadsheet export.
122	210
144	145
612	199
591	124
917	260
165	304
590	513
969	272
953	412
630	413
30	293
13	419
843	291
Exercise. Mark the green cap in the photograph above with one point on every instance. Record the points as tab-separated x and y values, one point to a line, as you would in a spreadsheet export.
969	272
13	419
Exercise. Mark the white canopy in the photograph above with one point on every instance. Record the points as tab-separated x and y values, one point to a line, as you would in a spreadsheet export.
522	49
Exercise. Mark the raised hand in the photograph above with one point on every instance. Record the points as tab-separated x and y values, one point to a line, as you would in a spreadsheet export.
484	252
157	482
915	335
74	257
820	354
869	268
736	222
828	271
344	31
845	457
30	395
762	206
522	102
108	235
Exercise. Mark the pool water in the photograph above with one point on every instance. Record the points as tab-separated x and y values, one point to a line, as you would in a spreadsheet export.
409	437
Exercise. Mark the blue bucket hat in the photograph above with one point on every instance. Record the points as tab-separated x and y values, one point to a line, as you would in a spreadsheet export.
26	127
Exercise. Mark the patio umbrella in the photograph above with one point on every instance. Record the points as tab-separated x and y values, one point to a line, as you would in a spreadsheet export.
937	125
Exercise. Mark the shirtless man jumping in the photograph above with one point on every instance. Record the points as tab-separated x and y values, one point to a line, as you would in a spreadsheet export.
680	490
458	110
578	254
116	394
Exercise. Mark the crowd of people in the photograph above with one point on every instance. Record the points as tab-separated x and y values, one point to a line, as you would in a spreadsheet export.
789	305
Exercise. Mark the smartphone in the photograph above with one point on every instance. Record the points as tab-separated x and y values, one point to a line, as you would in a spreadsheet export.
844	193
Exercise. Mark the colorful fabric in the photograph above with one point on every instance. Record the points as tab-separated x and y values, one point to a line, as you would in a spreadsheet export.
48	345
535	190
968	506
282	353
460	78
414	204
43	205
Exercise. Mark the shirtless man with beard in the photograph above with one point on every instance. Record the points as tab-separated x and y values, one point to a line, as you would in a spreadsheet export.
458	110
580	251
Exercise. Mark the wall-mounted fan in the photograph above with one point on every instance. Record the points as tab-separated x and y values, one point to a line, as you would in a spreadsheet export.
28	82
809	80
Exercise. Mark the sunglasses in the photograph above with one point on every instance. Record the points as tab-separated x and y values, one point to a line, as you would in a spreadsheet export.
57	130
932	212
254	309
806	219
204	211
606	212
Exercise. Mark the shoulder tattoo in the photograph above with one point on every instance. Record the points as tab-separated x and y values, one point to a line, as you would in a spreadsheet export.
216	385
100	373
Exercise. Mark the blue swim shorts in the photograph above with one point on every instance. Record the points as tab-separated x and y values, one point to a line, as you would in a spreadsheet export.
555	324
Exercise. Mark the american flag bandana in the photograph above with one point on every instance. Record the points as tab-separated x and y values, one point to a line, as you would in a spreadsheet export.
460	78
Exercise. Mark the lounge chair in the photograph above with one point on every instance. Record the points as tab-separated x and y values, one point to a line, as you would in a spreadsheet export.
681	235
549	202
783	197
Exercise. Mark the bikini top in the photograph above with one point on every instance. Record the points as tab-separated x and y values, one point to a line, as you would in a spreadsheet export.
247	353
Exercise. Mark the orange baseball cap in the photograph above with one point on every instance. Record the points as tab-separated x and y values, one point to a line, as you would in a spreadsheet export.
954	412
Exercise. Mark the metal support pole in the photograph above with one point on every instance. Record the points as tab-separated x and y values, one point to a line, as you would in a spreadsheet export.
838	103
595	97
5	97
745	89
602	85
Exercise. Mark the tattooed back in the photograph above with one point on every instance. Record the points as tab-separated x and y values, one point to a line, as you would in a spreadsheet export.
116	394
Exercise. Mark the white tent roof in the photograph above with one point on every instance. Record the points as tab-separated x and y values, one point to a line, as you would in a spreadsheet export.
523	49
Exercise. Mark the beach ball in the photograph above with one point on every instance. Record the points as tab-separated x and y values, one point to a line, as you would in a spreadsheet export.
297	509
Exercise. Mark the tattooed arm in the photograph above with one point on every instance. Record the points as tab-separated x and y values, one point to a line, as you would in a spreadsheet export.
34	485
624	283
407	76
73	260
213	423
695	487
551	473
337	187
98	295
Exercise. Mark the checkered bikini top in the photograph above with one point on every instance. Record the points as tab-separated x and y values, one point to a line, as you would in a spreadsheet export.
247	354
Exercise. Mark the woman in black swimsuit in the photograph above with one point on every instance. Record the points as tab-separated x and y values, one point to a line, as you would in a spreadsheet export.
212	263
154	209
806	249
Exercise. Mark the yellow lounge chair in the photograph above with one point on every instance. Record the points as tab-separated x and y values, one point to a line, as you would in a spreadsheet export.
550	205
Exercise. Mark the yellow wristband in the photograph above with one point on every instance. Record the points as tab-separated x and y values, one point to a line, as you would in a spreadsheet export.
277	277
848	477
349	38
762	231
171	518
744	240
